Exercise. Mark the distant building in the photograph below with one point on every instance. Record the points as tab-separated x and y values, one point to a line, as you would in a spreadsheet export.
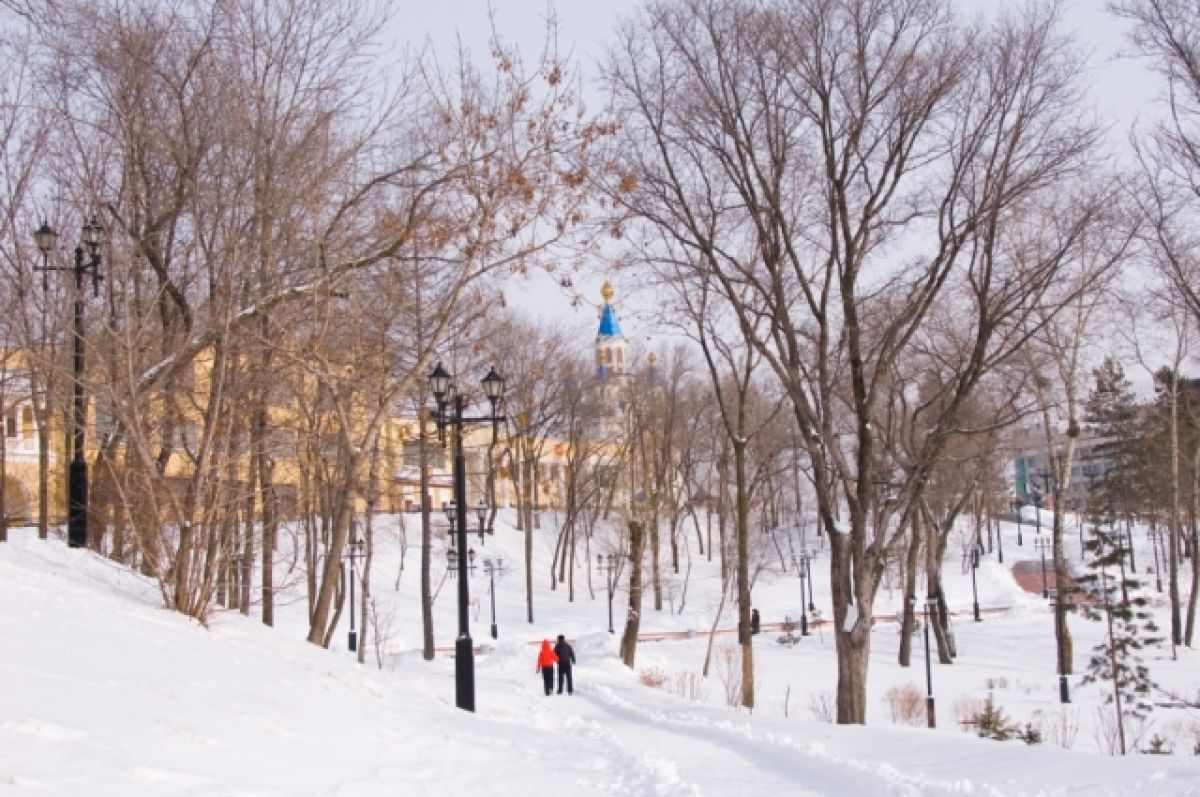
1033	476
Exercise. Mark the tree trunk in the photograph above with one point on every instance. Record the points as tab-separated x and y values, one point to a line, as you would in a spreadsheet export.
911	563
637	550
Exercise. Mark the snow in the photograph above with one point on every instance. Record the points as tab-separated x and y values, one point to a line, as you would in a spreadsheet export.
107	693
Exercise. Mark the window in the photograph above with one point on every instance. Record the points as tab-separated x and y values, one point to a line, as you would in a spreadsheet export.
434	454
10	425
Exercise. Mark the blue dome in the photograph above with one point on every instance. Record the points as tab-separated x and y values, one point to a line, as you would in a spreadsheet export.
609	328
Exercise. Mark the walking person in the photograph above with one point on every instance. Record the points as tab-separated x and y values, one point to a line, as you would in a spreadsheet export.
545	663
566	660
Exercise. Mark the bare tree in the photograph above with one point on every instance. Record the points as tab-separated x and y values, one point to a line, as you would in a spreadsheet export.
839	167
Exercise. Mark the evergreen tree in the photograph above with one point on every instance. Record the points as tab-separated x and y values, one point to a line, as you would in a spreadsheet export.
1117	470
1129	626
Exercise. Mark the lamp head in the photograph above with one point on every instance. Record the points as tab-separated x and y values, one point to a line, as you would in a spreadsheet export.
439	382
45	237
493	385
93	236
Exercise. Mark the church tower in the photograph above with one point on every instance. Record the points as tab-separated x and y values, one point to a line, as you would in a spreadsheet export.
611	346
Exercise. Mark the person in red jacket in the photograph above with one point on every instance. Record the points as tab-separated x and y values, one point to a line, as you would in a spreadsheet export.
545	662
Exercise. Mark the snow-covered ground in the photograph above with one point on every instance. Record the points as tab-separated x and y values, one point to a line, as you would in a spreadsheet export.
102	691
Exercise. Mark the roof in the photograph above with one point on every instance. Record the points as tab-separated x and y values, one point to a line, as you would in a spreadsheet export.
609	328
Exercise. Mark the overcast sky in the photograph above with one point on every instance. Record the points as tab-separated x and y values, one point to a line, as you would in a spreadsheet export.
1122	88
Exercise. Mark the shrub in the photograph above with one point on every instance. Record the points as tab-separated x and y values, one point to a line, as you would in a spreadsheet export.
1063	728
653	677
966	708
688	685
821	705
992	723
905	704
1158	746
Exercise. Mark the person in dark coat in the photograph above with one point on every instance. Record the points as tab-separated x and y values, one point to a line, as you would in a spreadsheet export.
566	660
755	622
545	665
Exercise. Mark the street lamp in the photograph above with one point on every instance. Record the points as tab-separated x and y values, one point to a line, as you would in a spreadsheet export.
481	513
930	714
492	568
999	545
807	556
607	564
801	565
354	553
450	414
92	236
974	588
1043	543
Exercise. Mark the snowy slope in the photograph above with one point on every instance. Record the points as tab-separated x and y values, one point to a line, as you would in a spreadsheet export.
106	693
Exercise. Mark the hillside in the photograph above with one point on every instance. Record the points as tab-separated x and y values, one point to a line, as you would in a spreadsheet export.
107	693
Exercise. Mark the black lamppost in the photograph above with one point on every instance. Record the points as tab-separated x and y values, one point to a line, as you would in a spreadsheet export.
999	545
1042	543
354	553
801	565
91	236
492	568
974	588
930	714
607	564
481	513
450	414
807	557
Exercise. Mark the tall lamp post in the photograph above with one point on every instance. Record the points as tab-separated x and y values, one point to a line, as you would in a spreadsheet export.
607	564
481	513
974	588
1043	543
492	568
450	415
999	545
930	714
91	236
801	565
807	556
354	553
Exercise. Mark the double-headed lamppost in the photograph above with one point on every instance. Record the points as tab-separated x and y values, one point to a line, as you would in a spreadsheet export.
92	236
607	564
1043	543
355	553
807	557
452	556
492	568
801	564
450	414
481	514
930	714
974	588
